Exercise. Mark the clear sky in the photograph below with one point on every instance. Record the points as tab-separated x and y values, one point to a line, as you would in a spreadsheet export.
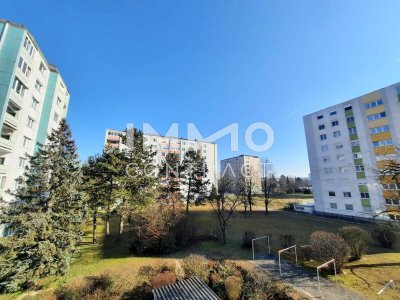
213	63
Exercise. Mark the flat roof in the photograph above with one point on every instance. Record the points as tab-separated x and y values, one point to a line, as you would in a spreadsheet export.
241	155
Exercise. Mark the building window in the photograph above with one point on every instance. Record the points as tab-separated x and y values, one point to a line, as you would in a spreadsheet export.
340	157
3	180
30	122
58	101
357	155
325	159
320	117
19	87
335	123
347	194
350	119
349	206
42	68
322	137
23	66
339	146
379	129
364	195
35	103
333	205
55	117
321	127
328	170
359	168
352	130
342	169
355	143
383	143
347	108
332	194
2	160
29	47
332	113
376	116
38	86
336	134
373	104
26	142
21	162
324	148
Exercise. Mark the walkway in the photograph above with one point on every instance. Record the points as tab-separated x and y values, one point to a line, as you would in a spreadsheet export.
305	280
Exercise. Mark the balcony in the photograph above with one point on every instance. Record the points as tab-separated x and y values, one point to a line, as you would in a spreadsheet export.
6	139
4	169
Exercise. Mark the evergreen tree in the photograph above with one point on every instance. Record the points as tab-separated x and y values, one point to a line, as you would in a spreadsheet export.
169	177
45	219
194	177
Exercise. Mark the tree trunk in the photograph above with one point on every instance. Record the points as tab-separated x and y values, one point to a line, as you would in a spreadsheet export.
121	227
266	206
95	227
187	198
224	236
108	227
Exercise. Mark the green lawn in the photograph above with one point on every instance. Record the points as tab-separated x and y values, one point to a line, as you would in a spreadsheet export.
112	257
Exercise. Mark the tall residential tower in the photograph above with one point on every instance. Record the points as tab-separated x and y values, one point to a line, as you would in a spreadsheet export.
347	145
33	99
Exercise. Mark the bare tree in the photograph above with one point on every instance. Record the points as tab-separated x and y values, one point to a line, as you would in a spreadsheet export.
223	204
270	186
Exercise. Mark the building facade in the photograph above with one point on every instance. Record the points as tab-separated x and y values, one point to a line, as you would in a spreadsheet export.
242	166
347	146
180	146
33	100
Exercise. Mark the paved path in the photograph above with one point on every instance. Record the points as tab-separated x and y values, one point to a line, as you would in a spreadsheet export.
305	280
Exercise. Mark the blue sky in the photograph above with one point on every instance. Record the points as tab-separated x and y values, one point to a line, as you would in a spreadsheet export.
213	63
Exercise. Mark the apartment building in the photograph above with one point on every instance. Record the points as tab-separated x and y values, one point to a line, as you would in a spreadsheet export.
347	145
242	166
164	145
33	99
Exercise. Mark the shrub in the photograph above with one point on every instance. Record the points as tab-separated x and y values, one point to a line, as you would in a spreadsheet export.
248	236
356	238
233	287
196	265
327	245
306	252
287	240
140	292
164	278
93	285
384	235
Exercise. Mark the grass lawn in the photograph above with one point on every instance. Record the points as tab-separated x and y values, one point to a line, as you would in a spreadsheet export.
108	256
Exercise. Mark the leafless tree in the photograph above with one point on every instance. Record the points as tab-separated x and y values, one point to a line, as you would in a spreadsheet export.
269	183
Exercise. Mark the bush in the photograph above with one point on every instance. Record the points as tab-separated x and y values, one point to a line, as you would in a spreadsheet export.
140	292
93	285
287	240
248	236
384	235
356	238
164	278
233	287
306	252
196	266
327	245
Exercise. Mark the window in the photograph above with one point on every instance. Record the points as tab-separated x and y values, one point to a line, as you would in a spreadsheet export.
350	119
332	113
320	117
342	169
3	180
376	116
349	206
332	194
21	162
26	142
38	85
2	160
55	118
355	143
30	122
373	104
42	68
13	109
347	108
29	47
352	130
328	170
322	137
23	66
335	123
357	155
325	159
339	146
359	168
383	143
58	101
347	194
364	195
19	87
321	127
340	157
324	148
35	103
336	134
379	129
333	205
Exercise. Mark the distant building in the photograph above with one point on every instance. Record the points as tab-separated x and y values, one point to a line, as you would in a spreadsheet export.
180	146
240	167
347	145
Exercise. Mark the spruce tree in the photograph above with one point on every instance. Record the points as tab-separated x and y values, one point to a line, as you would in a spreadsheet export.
46	216
169	177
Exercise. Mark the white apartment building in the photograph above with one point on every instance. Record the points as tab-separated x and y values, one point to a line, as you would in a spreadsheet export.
164	145
347	145
33	99
242	166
